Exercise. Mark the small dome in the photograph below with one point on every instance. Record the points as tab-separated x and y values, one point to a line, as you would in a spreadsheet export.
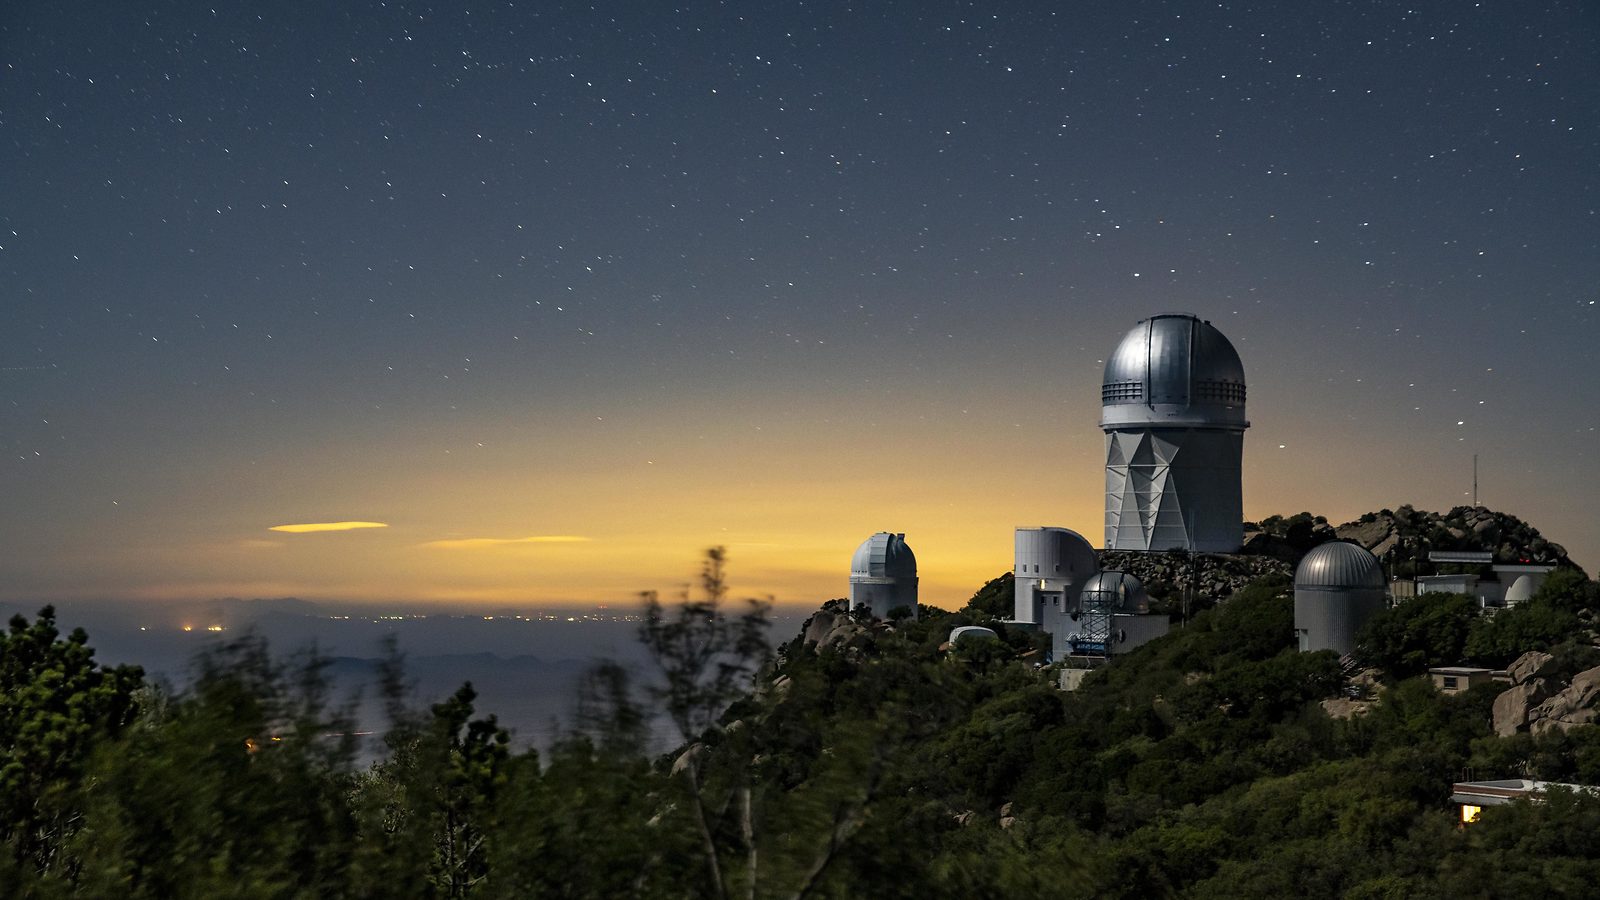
1338	566
1177	362
976	632
1114	590
1522	589
884	555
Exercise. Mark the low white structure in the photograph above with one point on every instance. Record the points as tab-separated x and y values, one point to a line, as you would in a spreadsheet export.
972	633
1473	796
883	575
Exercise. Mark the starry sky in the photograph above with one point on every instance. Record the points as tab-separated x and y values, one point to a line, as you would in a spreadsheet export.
550	297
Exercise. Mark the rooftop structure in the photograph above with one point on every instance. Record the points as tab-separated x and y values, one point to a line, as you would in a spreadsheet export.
1473	796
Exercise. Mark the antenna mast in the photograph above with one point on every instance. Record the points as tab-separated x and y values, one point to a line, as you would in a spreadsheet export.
1474	480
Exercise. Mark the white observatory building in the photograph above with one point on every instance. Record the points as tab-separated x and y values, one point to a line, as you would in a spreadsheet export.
1051	564
1173	413
883	575
1337	588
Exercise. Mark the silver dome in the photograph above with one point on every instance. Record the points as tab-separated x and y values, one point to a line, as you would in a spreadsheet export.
1114	590
1338	566
1174	368
884	555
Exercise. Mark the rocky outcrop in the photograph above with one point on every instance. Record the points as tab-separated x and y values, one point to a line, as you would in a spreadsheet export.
1471	528
830	626
1570	708
1542	704
1216	575
1514	705
1527	666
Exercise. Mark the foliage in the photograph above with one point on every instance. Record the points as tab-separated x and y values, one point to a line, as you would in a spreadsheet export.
997	599
1428	630
56	706
1199	765
1537	625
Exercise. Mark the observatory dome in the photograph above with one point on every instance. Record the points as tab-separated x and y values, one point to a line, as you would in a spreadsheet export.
884	555
1522	589
1338	588
1174	369
1112	590
1338	566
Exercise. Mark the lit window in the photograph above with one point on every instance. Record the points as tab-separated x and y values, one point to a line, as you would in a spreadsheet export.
1469	813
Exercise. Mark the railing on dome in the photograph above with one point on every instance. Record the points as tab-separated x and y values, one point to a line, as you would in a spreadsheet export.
1227	392
1121	392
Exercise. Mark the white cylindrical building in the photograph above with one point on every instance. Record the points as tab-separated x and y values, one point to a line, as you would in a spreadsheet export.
883	575
1051	563
1338	587
1172	408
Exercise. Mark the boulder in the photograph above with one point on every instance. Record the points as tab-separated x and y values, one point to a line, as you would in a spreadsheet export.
1342	708
689	756
1367	534
1385	545
1527	665
1570	708
827	627
1514	705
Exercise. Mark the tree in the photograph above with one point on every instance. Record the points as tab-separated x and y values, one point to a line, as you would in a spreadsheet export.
237	786
434	798
706	658
56	707
1426	631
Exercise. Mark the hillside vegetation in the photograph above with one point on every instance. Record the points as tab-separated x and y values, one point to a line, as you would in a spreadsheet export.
870	759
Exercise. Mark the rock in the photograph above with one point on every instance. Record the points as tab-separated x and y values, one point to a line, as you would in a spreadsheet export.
1368	534
1585	687
1008	821
1572	707
687	757
830	626
1340	708
1513	708
1005	810
964	818
1385	545
1527	665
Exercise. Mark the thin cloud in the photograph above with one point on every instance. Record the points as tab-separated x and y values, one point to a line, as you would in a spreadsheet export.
478	543
255	544
310	527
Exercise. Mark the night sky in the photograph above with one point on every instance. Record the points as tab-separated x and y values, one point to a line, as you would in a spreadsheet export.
563	294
